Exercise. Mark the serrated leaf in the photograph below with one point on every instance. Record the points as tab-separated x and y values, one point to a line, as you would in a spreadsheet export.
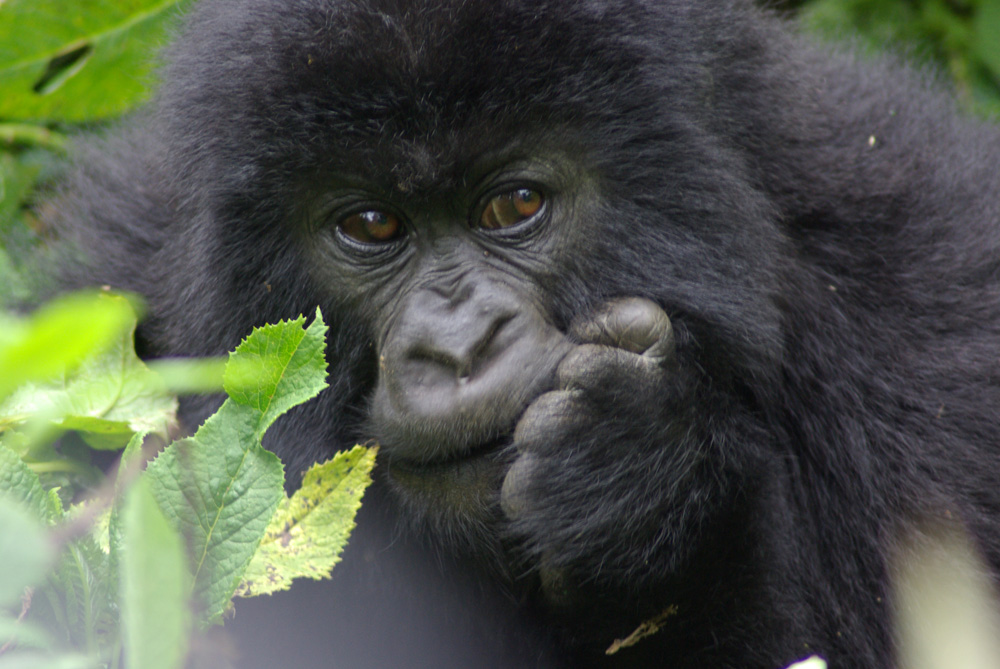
155	585
80	580
277	367
21	485
220	488
81	61
310	529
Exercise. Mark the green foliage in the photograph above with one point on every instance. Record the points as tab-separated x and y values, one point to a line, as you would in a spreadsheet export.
962	37
108	397
62	65
87	61
220	486
131	576
57	338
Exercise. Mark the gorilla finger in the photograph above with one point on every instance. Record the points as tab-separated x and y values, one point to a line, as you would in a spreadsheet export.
513	492
544	417
633	324
593	367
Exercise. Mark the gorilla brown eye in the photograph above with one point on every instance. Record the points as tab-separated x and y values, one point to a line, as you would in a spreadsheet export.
507	209
372	227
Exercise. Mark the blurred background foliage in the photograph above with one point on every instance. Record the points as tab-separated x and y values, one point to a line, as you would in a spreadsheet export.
960	37
72	67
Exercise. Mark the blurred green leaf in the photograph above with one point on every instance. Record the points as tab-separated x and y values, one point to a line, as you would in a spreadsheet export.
16	180
25	550
813	662
107	397
27	634
155	585
186	376
48	661
59	336
84	60
987	35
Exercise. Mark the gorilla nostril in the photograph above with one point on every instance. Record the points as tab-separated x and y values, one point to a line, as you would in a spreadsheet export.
485	348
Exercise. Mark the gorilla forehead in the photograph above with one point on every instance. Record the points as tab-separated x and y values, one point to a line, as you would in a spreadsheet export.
367	75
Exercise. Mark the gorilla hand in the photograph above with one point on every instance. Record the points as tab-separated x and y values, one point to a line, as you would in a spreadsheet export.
582	472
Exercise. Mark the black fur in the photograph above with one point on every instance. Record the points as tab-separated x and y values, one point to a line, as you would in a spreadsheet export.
823	232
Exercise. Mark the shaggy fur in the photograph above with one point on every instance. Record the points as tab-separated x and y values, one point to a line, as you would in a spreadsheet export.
823	232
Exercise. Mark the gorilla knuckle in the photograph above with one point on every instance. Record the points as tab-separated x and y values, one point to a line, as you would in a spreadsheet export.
545	418
598	368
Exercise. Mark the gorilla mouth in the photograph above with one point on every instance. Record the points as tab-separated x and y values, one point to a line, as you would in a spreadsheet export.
449	461
466	482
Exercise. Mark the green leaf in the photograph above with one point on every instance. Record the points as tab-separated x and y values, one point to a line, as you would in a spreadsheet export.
129	468
28	634
310	529
25	550
58	337
155	586
190	376
277	367
107	397
16	181
21	485
221	487
77	62
81	585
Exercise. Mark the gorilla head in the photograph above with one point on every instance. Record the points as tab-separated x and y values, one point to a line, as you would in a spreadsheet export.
635	296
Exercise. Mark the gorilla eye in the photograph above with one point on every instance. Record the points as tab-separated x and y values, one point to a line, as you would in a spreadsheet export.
372	227
507	209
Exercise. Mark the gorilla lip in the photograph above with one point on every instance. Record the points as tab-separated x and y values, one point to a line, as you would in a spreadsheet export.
454	459
464	483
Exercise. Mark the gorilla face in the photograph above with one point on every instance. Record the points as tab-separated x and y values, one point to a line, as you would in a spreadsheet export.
451	279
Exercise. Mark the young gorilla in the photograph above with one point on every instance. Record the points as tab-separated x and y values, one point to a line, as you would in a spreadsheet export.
652	307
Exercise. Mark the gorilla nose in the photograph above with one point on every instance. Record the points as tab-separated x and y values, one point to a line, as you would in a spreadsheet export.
457	374
459	349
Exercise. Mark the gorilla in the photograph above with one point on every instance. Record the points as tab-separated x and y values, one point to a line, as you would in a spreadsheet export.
665	318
